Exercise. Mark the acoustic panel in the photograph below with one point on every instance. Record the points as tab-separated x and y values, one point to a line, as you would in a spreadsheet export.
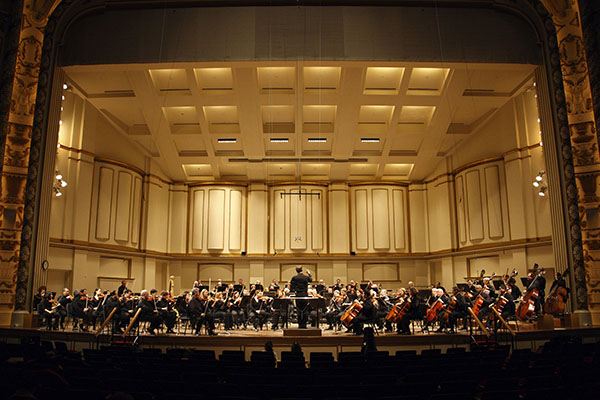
235	220
474	209
136	208
381	219
317	222
214	271
298	207
399	237
460	209
104	207
279	233
361	219
197	219
216	219
494	202
380	272
122	220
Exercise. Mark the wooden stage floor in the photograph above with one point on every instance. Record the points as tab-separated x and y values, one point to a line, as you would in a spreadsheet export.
250	340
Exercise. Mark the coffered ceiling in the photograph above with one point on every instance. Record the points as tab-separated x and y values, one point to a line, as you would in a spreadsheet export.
268	121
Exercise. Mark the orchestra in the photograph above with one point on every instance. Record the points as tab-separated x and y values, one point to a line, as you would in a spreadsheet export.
344	308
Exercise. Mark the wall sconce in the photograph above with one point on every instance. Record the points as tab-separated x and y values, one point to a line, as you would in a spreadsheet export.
59	184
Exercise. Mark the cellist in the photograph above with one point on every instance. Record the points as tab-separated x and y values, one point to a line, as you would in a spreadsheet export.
367	313
413	313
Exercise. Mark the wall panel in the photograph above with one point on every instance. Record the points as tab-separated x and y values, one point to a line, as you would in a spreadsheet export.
474	204
198	220
317	220
399	226
123	213
216	219
494	202
298	221
460	210
279	225
235	220
104	205
136	207
381	219
361	225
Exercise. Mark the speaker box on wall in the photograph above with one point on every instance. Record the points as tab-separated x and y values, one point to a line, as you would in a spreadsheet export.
352	253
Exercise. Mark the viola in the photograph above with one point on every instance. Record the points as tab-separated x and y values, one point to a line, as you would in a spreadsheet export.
351	313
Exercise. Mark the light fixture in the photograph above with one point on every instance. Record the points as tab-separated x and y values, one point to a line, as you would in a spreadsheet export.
65	86
59	183
317	140
543	191
536	184
539	176
63	97
228	140
369	140
279	140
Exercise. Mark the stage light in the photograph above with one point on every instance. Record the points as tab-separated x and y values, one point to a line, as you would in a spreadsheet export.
542	191
65	86
536	184
58	176
63	184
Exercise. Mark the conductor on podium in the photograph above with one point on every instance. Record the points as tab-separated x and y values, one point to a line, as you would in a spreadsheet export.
299	284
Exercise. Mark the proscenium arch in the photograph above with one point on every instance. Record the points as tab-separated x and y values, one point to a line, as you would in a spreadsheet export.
524	34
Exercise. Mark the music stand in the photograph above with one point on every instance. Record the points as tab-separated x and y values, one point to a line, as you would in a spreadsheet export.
498	284
464	287
281	304
363	286
203	287
237	288
221	288
525	282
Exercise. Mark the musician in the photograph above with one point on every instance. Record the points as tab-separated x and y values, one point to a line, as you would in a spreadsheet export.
165	310
126	310
258	311
333	312
338	285
234	309
299	284
64	299
438	285
199	310
219	310
320	288
383	309
513	289
81	310
122	288
449	317
367	313
559	281
273	286
149	311
539	283
258	285
241	284
38	297
485	310
48	311
404	325
219	287
112	302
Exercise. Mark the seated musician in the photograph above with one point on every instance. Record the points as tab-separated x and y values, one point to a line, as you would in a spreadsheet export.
165	310
509	311
334	312
220	311
312	312
449	317
413	313
367	313
127	309
200	312
112	302
513	289
485	310
234	309
81	310
436	295
258	311
97	307
149	311
64	299
273	286
48	313
384	308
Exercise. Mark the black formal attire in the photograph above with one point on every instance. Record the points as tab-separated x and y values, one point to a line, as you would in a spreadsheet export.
412	314
299	284
258	312
200	314
49	315
121	289
80	312
166	313
62	310
149	313
220	311
366	314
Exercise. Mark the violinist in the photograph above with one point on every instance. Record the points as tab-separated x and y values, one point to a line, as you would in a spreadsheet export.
273	286
165	310
404	325
258	311
48	311
234	309
338	285
121	289
200	311
112	302
97	305
126	310
333	312
219	310
82	310
64	299
38	297
149	311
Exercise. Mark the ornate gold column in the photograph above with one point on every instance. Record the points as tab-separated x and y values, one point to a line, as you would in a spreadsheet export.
16	151
584	142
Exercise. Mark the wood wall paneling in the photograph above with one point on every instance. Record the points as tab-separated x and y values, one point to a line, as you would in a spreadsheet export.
460	209
216	219
317	221
381	219
136	208
474	205
494	202
197	219
279	231
235	220
214	271
104	205
298	220
123	213
399	225
361	219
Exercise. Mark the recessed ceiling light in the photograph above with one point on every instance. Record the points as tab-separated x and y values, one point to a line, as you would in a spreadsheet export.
279	140
231	140
317	140
369	140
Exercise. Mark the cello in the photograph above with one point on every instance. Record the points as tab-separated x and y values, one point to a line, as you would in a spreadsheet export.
398	311
432	312
351	313
527	306
555	302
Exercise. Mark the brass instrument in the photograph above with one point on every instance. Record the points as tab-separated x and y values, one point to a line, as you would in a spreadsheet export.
171	285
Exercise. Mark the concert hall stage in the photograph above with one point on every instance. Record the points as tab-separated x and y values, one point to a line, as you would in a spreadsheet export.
248	340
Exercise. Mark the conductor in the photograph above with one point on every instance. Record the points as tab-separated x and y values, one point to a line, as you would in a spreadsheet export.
299	284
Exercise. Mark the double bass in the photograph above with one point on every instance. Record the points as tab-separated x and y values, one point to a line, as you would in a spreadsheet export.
555	302
527	306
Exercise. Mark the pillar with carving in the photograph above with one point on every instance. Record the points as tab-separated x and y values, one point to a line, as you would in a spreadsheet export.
16	149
